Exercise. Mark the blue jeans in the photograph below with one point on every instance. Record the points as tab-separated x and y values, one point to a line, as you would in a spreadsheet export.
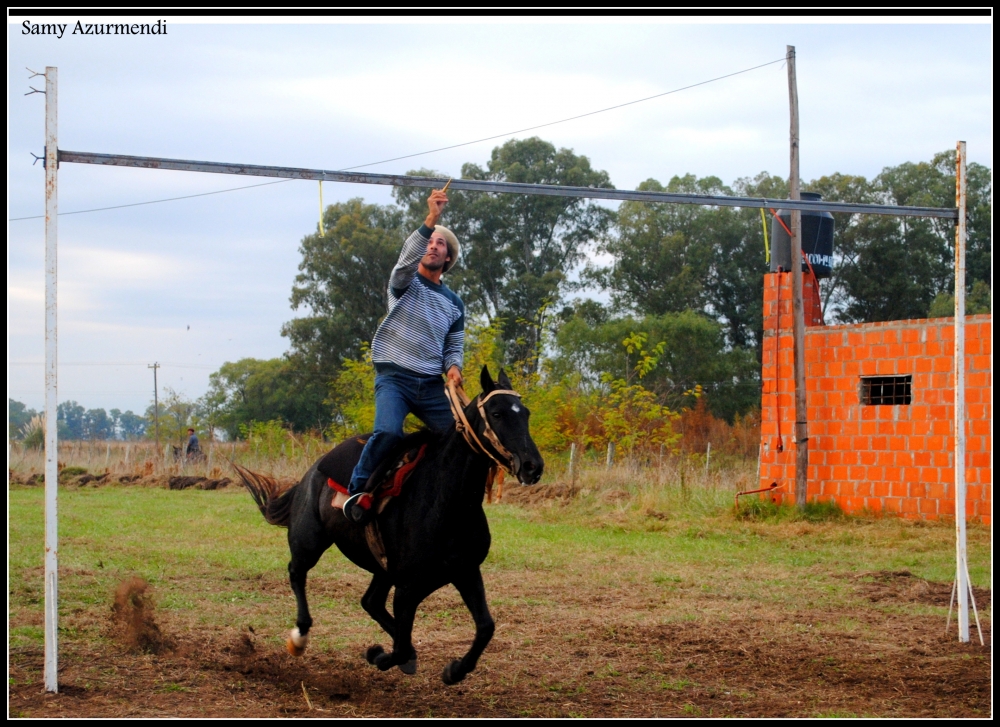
396	395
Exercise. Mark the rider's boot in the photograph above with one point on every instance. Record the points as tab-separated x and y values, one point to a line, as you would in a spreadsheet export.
358	508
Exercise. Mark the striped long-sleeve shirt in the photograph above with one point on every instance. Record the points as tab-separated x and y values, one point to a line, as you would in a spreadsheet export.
424	331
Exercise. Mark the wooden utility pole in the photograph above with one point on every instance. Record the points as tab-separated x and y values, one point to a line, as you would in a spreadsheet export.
798	313
156	403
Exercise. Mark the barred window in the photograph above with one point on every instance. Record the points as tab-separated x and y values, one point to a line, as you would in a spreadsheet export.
879	390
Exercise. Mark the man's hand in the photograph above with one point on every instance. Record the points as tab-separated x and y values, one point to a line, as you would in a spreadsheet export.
435	205
455	374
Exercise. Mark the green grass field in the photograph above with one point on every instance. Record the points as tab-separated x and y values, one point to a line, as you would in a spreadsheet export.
202	550
652	556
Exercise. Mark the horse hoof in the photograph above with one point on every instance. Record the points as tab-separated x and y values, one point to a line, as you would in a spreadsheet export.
409	667
452	673
384	662
372	653
296	643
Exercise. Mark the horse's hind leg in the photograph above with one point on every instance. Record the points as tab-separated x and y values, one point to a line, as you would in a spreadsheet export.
298	568
471	588
374	602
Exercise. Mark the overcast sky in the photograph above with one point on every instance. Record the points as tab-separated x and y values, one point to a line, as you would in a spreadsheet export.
198	282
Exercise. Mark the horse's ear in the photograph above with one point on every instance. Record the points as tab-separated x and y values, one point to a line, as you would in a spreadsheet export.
502	381
486	381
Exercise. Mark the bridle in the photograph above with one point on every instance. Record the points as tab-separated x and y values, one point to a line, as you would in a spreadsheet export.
459	400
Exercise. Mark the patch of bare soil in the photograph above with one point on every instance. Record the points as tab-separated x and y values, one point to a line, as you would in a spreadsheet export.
557	652
199	483
170	482
904	587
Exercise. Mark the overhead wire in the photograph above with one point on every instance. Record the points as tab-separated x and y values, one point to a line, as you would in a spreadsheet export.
111	363
571	118
154	201
422	153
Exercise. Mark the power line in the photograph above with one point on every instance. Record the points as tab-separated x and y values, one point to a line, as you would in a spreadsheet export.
110	363
155	201
422	153
571	118
75	392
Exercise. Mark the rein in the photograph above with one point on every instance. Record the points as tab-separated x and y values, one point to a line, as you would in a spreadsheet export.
459	400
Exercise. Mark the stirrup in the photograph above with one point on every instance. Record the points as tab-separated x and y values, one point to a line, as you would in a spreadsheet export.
357	512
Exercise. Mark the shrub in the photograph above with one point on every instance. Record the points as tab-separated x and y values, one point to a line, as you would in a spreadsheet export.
33	433
763	509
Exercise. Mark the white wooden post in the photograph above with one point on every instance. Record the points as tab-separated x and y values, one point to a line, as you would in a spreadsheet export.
961	555
51	380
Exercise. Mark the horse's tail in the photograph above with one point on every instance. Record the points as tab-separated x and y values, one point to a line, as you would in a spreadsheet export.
274	506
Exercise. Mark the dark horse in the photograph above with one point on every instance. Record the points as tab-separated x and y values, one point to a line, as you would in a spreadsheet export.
434	533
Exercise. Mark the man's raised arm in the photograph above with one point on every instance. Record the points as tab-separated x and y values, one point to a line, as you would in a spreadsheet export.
415	246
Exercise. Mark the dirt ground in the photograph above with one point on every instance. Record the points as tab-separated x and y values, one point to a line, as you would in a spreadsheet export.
587	656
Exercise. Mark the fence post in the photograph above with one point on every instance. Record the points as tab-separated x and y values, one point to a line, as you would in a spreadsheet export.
708	457
572	468
760	449
611	454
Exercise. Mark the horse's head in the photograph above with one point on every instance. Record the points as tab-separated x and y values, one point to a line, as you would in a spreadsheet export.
506	417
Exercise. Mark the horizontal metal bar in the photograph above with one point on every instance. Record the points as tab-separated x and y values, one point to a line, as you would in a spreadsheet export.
472	185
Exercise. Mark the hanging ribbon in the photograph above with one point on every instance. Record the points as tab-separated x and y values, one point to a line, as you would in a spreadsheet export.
322	233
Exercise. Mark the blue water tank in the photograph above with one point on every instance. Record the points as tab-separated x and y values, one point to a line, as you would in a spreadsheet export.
817	240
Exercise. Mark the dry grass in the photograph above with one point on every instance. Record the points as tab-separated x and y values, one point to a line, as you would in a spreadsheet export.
146	459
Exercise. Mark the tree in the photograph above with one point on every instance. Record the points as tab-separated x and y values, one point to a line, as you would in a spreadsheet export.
128	425
633	417
739	262
661	252
518	250
343	283
70	418
979	300
177	413
18	415
255	390
889	268
211	409
979	221
98	425
694	353
673	257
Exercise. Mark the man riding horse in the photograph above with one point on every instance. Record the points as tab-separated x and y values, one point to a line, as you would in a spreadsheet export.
421	338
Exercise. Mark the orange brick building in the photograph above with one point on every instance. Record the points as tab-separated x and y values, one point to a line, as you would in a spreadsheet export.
880	398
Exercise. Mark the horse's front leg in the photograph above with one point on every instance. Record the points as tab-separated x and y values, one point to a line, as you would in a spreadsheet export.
374	603
471	588
404	609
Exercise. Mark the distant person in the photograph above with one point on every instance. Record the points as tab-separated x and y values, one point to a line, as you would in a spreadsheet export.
193	449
